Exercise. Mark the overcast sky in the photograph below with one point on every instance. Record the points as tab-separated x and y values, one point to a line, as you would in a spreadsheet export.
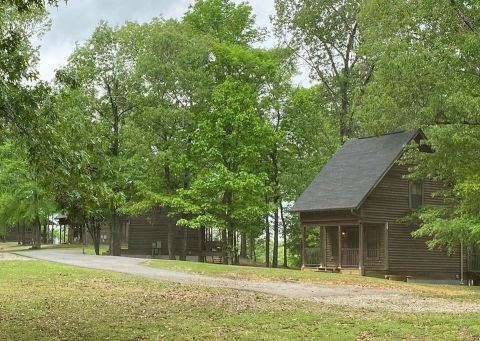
75	21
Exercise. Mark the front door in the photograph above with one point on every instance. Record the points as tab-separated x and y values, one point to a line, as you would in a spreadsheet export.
350	245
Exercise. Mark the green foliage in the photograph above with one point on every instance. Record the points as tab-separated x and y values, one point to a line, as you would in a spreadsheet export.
229	188
22	196
224	21
426	75
326	36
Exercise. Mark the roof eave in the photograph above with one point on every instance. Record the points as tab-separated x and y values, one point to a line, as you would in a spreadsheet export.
322	209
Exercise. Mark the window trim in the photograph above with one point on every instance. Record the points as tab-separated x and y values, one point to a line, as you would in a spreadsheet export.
422	186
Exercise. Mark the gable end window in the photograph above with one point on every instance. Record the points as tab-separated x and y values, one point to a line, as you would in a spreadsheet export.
416	194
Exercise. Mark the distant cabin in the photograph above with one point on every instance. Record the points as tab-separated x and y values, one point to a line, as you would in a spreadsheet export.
351	214
140	233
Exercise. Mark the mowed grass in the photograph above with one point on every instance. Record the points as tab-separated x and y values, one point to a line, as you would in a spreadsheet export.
47	301
281	274
14	247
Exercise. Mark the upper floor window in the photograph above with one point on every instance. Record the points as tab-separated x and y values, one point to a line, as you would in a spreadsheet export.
416	194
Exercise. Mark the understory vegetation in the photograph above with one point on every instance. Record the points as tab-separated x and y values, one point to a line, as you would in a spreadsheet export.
42	300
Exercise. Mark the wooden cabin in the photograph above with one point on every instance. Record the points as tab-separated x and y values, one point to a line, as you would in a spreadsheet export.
351	214
141	232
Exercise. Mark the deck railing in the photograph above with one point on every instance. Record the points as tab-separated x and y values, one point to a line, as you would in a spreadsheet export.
474	262
312	256
349	257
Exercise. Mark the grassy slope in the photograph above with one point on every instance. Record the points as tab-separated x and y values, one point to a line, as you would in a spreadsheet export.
41	300
245	272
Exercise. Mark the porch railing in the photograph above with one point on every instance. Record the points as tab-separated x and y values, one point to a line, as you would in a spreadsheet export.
312	256
373	253
474	262
349	257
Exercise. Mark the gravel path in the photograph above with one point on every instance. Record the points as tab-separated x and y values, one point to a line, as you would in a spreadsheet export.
355	296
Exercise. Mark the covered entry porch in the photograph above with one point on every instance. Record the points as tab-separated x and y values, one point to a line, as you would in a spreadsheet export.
361	246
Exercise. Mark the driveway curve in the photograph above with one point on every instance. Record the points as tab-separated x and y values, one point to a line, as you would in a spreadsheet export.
356	296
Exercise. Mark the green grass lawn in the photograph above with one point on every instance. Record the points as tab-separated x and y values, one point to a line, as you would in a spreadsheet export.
14	247
47	301
269	274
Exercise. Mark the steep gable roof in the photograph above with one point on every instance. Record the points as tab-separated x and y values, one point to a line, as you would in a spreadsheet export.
353	172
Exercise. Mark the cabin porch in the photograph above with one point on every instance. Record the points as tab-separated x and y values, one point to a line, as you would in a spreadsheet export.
345	247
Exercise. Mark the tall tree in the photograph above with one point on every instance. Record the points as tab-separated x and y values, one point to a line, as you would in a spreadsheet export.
326	35
102	68
172	61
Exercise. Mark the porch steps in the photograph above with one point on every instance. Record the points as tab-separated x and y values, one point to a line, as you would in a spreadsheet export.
350	271
347	271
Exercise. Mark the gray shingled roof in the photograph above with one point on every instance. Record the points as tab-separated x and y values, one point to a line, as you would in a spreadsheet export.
353	172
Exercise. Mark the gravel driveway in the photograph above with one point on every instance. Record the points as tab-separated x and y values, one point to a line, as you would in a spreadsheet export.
355	296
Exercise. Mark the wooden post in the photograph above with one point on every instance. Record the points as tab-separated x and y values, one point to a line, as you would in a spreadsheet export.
303	246
322	247
361	242
325	247
339	247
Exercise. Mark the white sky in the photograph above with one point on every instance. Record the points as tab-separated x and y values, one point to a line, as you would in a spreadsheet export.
75	21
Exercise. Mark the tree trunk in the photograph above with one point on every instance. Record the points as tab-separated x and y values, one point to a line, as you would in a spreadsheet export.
243	245
37	231
94	230
225	247
267	242
96	240
44	234
171	239
231	247
23	235
252	247
116	236
284	231
201	244
183	251
275	239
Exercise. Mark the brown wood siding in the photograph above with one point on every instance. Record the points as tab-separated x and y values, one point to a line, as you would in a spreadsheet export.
13	235
374	261
389	202
329	218
149	228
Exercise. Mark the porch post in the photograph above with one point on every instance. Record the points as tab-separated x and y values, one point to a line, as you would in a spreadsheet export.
339	247
321	246
303	246
361	267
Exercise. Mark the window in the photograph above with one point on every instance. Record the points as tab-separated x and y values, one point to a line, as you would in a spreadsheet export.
416	194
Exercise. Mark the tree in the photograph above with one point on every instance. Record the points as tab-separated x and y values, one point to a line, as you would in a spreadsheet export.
326	35
426	61
172	61
310	131
102	68
229	189
224	21
24	197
